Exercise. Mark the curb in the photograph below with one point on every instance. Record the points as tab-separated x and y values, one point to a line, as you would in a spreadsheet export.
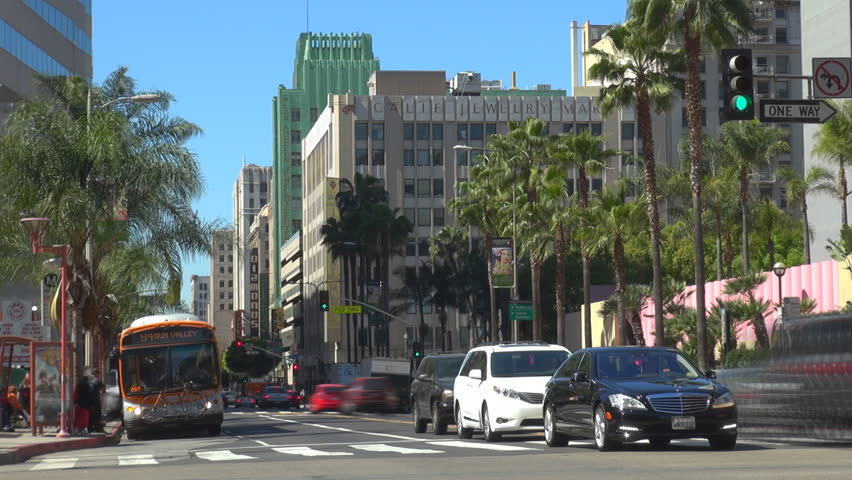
23	453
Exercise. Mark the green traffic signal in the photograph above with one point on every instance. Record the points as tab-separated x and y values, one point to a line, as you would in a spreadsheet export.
741	103
323	300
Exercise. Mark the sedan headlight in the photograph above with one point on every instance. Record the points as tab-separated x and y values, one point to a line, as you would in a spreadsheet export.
506	392
447	395
621	401
726	400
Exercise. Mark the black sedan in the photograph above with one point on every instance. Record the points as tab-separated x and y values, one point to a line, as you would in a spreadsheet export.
624	394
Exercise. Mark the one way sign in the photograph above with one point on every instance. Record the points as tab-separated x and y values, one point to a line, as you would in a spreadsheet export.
795	111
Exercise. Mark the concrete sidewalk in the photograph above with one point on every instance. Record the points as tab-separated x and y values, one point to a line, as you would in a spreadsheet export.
21	445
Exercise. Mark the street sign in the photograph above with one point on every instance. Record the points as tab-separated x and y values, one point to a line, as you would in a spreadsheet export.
795	111
51	280
520	311
347	309
831	77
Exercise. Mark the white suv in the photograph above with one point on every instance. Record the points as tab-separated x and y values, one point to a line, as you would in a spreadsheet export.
500	388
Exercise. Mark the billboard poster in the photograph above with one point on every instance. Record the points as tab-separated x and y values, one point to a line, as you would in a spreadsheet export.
502	263
19	320
47	362
374	292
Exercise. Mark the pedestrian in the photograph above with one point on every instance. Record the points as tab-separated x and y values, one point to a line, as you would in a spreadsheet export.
15	407
96	390
5	414
24	393
302	397
81	407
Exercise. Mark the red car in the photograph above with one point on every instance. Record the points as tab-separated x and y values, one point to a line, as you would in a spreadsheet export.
327	397
370	393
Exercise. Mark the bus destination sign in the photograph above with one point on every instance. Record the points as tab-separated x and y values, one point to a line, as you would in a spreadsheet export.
167	335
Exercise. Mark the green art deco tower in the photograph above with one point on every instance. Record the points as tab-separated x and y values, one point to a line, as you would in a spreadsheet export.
324	64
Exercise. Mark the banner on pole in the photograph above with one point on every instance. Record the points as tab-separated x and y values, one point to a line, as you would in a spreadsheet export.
502	263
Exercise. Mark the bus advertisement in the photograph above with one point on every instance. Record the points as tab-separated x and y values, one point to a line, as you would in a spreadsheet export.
169	375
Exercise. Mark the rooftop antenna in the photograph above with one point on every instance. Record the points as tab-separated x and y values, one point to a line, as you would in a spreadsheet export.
244	160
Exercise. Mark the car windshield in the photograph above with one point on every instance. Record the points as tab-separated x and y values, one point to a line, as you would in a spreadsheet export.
533	363
448	367
644	364
158	368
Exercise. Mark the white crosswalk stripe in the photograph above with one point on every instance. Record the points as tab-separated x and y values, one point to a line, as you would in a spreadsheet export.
136	460
222	455
309	452
481	446
55	464
381	447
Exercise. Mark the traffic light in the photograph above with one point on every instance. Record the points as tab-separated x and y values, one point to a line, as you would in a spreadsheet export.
737	84
239	343
295	367
417	350
323	300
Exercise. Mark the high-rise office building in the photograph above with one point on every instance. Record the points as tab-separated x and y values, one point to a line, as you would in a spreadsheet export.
324	64
200	287
41	36
221	309
251	193
258	243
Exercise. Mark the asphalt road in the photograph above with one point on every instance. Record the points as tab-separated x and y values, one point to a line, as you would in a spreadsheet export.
297	445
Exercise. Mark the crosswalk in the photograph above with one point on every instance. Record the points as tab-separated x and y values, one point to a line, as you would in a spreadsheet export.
330	450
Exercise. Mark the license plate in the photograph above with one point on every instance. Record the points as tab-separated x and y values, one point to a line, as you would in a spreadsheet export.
683	423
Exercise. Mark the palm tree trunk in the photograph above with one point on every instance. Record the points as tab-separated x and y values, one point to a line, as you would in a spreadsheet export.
535	273
346	317
760	333
620	287
770	246
744	209
694	121
644	110
561	294
806	235
353	292
717	214
841	178
583	190
492	333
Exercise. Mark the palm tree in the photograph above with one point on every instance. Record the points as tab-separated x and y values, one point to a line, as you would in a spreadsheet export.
564	220
768	220
697	23
587	154
834	143
340	239
750	145
635	299
644	73
751	309
612	220
79	169
817	180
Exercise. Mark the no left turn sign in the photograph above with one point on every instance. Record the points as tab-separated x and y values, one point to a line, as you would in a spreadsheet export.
832	77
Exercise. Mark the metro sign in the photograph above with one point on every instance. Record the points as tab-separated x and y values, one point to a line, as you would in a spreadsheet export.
795	111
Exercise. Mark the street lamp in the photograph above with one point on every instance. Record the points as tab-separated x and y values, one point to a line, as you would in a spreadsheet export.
35	228
405	342
779	269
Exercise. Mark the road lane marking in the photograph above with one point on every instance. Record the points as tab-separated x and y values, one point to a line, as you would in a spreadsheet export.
309	452
481	446
537	442
340	429
381	447
146	459
55	464
222	455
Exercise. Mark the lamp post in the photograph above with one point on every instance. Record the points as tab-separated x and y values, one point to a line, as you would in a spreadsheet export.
405	342
35	228
779	269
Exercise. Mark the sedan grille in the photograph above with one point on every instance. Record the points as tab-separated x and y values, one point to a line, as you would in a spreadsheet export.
528	397
680	403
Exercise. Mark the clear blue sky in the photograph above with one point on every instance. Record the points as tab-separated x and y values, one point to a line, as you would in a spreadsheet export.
223	60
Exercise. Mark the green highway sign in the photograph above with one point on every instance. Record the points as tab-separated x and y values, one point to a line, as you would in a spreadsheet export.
347	309
521	311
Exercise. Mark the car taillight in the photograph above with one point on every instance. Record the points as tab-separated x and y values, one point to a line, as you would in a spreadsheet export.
266	396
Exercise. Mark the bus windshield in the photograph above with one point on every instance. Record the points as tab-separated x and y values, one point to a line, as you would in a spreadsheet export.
169	367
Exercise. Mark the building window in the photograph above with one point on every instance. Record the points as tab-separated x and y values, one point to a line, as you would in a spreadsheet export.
410	215
437	131
221	295
627	131
314	114
221	269
411	247
251	187
295	115
230	284
780	13
230	306
438	187
476	131
424	217
437	157
597	184
230	258
222	306
762	87
461	131
295	136
221	258
782	64
567	127
439	217
423	158
780	35
582	127
360	130
263	188
423	247
461	158
423	187
221	246
422	131
378	157
408	187
490	129
296	182
408	131
408	158
297	225
378	131
296	159
361	156
221	284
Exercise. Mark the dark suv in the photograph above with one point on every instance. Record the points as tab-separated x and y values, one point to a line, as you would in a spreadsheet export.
432	392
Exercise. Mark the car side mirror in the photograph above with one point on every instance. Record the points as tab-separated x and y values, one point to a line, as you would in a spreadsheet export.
424	377
710	374
579	377
475	374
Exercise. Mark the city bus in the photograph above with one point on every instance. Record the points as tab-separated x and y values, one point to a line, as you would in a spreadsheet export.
169	375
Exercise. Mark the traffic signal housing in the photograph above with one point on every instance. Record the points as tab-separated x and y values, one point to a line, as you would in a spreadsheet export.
238	343
737	84
417	350
323	300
